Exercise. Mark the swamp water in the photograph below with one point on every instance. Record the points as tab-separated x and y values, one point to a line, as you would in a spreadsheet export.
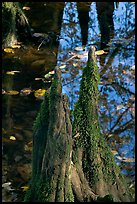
28	72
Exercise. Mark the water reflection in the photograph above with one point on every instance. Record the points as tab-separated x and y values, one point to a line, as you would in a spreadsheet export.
93	25
124	18
117	87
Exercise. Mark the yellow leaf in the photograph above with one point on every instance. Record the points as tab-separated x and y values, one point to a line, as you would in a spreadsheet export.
25	188
75	64
12	92
12	138
39	92
114	152
52	72
8	50
10	73
100	52
25	91
15	46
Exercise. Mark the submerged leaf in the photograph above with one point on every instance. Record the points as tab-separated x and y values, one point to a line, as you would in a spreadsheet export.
79	49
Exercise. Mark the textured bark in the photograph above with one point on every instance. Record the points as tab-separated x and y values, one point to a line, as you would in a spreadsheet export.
73	164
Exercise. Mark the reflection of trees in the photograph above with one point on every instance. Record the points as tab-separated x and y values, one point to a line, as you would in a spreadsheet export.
83	14
124	18
105	14
114	87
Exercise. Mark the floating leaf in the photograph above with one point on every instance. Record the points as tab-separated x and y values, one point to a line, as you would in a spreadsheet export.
79	49
52	72
25	91
75	64
8	50
26	8
38	79
39	93
10	73
16	46
100	52
12	92
124	159
12	138
25	188
62	66
132	98
47	76
119	107
114	152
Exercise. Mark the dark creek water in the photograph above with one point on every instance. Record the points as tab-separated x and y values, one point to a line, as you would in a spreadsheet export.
29	71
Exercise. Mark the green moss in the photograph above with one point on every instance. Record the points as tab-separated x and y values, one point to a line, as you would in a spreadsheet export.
69	197
40	130
39	191
86	122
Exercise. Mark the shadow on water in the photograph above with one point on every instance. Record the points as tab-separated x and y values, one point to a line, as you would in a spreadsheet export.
65	43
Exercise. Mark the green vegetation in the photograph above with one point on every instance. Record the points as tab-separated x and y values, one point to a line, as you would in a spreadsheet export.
67	172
